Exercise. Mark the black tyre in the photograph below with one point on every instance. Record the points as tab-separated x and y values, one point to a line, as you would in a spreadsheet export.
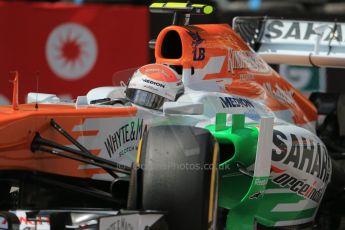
178	175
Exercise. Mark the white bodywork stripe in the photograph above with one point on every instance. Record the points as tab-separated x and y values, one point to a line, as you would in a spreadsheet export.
279	190
294	222
214	65
299	206
264	151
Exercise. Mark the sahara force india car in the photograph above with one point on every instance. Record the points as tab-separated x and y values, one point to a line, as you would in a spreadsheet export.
239	149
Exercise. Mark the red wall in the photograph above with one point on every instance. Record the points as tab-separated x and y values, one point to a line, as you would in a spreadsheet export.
70	48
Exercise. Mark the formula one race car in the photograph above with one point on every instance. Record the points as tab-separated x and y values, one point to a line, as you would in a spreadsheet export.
208	137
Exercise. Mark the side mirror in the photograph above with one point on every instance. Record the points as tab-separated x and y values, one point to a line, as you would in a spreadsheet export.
185	108
41	98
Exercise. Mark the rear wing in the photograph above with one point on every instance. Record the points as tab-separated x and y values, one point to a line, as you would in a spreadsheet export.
294	42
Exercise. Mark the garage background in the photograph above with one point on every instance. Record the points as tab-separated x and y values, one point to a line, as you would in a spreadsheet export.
69	47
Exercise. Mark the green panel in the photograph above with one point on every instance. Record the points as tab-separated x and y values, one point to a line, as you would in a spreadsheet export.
267	217
220	122
243	195
232	190
244	140
236	189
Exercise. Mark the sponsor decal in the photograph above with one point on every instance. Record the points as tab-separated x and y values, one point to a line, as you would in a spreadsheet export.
300	187
121	224
25	223
277	170
304	78
246	60
198	52
302	153
154	83
71	51
256	195
129	222
247	77
285	96
304	31
230	102
125	139
261	182
156	71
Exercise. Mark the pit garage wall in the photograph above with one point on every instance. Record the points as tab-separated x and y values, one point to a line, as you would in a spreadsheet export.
67	49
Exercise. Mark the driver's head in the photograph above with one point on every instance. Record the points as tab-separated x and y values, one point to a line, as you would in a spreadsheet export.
151	85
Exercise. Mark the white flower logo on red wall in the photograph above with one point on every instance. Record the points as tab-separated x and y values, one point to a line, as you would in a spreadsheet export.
71	51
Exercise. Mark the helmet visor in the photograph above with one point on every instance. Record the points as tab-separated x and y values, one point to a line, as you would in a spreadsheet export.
144	98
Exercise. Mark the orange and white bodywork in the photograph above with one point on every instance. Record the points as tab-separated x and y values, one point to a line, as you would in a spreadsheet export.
18	128
214	57
220	73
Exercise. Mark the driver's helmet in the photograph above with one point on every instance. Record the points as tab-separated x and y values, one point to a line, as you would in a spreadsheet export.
152	85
